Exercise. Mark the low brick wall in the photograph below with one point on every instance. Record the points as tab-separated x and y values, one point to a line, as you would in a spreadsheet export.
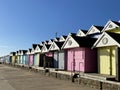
60	76
110	86
97	84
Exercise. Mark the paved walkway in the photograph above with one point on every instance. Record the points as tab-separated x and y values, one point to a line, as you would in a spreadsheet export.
18	79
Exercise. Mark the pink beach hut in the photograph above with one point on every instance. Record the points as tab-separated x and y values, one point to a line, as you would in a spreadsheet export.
80	56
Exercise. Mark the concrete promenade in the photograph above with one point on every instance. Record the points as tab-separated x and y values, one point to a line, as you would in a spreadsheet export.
12	78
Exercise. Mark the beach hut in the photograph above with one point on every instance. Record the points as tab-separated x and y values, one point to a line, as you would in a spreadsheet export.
23	54
17	57
108	46
20	57
47	57
80	56
12	58
37	55
32	56
58	55
62	38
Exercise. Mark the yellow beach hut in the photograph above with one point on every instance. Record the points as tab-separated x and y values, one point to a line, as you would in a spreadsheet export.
108	54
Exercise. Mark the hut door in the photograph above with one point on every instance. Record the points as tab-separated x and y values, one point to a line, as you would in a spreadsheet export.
61	60
104	59
55	59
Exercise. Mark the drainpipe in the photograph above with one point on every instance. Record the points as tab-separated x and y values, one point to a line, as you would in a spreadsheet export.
118	64
111	61
73	61
44	62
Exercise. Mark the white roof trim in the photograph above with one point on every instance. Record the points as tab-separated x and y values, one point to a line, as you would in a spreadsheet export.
80	33
54	47
37	49
70	43
61	39
44	49
110	41
106	27
93	30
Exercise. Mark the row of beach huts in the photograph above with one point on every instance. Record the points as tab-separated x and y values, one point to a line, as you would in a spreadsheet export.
96	50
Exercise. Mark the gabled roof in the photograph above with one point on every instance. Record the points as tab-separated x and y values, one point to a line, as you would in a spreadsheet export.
62	38
111	25
56	46
29	51
45	48
81	32
38	48
108	39
84	41
33	48
75	41
50	41
94	29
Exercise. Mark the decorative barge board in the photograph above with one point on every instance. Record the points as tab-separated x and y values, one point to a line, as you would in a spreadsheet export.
37	55
80	56
12	58
47	57
108	54
81	33
94	31
112	26
58	57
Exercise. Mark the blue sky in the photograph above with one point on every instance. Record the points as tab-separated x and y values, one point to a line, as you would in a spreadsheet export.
24	22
